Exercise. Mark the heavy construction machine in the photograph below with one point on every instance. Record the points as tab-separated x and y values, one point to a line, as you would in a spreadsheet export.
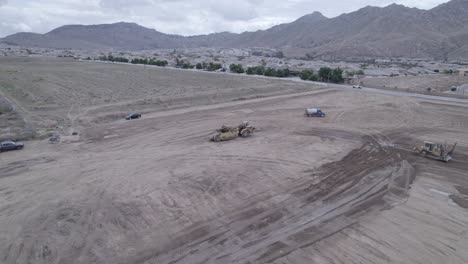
228	133
436	151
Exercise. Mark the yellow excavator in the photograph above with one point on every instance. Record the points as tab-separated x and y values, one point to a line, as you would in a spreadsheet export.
436	151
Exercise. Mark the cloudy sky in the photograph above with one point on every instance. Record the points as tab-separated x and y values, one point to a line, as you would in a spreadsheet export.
186	17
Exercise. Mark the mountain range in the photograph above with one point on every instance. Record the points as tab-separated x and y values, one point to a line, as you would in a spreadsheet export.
440	33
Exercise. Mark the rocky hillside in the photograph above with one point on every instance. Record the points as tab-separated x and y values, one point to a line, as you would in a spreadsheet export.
371	32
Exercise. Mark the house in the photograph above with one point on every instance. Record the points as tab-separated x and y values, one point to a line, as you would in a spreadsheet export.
463	72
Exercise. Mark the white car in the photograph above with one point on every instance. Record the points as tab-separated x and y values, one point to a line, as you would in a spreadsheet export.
357	86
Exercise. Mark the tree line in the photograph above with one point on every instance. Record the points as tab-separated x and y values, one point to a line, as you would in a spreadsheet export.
211	66
153	61
144	61
113	59
325	74
260	70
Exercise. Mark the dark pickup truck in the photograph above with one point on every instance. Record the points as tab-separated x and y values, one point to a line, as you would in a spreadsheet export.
10	145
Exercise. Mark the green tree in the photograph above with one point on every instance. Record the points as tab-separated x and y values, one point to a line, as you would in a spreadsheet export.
163	63
256	70
236	68
314	78
306	74
260	70
337	75
187	65
214	66
282	73
324	74
270	72
199	66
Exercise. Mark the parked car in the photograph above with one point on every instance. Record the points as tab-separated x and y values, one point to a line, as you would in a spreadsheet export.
10	145
357	86
133	116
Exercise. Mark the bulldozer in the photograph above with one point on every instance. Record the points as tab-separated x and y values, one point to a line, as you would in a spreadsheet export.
228	133
436	151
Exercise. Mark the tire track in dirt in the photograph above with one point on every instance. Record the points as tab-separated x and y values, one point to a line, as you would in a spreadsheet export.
75	231
261	230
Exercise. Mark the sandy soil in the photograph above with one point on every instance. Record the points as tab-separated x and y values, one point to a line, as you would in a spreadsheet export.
340	189
439	83
53	94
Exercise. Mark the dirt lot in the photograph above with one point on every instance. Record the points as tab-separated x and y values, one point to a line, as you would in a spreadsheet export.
340	189
439	83
53	94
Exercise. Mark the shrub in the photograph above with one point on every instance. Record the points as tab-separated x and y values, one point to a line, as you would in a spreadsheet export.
236	68
213	66
270	72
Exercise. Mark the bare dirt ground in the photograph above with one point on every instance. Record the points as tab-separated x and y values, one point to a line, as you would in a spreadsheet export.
439	83
50	94
340	189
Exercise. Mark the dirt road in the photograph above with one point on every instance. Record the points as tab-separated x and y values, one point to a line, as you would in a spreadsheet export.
339	189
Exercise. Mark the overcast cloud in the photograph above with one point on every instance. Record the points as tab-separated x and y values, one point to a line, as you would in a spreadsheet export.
185	17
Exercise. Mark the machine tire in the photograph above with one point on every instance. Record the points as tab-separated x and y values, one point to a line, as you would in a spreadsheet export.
245	133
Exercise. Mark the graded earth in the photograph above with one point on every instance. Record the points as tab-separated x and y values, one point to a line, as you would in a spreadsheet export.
341	189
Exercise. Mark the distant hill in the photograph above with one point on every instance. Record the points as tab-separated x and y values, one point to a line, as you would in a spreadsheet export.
371	32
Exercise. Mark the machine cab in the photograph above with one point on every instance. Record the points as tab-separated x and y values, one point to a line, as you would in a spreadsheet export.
428	145
435	149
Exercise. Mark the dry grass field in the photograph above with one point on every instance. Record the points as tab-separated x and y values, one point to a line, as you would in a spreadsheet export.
339	189
438	83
